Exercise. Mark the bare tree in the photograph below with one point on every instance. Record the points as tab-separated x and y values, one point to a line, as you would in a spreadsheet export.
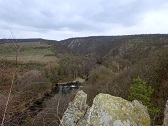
12	83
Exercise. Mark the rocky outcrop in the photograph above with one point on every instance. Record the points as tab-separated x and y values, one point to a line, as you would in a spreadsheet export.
166	115
106	110
76	110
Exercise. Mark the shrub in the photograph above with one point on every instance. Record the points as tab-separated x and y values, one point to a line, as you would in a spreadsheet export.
141	92
99	73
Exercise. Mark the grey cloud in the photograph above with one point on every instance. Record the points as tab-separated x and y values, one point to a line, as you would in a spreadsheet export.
74	15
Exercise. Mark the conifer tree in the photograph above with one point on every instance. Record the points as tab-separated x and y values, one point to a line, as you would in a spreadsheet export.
141	92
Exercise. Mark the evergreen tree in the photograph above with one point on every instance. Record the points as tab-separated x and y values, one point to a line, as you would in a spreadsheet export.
141	92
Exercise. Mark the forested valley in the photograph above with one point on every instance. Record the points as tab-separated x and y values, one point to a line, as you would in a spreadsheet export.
33	70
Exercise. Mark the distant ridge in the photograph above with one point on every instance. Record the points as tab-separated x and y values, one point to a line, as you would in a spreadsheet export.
90	38
110	45
114	36
24	40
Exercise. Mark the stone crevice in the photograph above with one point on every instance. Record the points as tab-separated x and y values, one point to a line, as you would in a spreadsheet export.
106	110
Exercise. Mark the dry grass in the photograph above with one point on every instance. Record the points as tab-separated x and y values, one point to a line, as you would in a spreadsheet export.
31	58
27	44
30	52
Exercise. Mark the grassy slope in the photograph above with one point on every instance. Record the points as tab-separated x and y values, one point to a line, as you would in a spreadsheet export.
32	51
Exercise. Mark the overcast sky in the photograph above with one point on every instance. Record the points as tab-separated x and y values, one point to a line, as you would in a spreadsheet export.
61	19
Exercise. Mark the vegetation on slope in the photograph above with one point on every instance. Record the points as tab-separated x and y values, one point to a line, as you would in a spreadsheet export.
109	65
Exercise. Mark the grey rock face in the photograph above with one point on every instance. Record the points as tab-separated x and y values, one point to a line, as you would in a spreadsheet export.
106	110
76	110
166	115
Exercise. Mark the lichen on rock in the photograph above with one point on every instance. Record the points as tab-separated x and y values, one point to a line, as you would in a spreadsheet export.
75	110
166	115
106	110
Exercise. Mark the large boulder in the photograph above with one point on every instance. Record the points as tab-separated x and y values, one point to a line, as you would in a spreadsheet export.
75	110
166	115
106	110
